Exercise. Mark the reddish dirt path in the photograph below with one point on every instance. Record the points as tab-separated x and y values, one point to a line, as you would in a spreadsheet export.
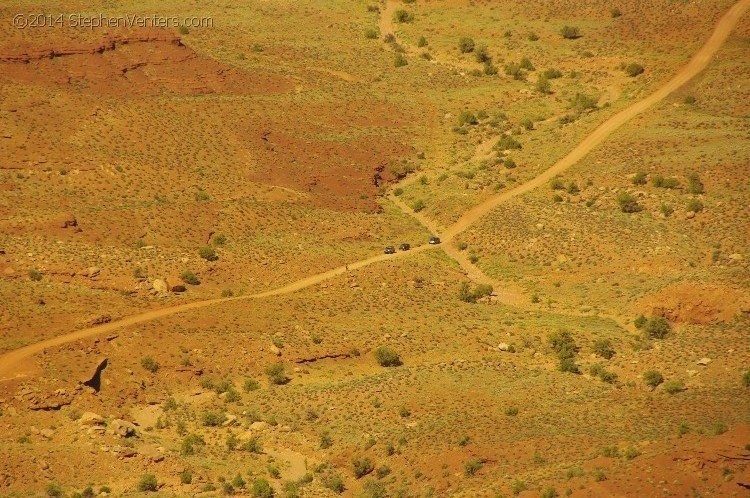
18	362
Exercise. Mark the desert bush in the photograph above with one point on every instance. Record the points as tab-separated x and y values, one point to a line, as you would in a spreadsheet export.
518	487
543	85
213	419
325	440
149	364
399	60
35	275
276	374
465	45
509	163
200	195
374	489
362	467
252	445
549	492
514	70
469	295
371	33
189	444
482	54
570	32
532	36
186	477
527	123
507	142
552	73
603	348
471	467
262	488
628	203
674	386
573	188
694	205
511	411
467	118
250	385
640	321
334	482
208	253
666	209
53	489
615	12
633	69
387	357
189	278
422	42
526	64
746	378
631	452
582	102
404	412
557	184
657	327
403	16
639	178
148	482
695	185
490	69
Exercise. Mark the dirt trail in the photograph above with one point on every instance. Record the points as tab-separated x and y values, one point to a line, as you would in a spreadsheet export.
17	361
14	363
697	64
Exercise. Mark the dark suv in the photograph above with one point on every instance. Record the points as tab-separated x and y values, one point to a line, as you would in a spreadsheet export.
434	240
404	247
389	250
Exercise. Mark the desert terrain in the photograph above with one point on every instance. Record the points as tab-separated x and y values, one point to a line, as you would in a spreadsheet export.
196	296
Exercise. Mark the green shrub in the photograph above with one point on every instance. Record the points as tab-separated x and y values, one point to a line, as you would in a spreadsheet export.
467	118
639	178
563	344
251	385
149	364
526	64
471	467
628	203
507	142
190	443
746	378
35	275
465	45
633	69
518	487
543	85
695	185
418	205
148	482
404	412
653	378
570	32
666	209
399	60
511	411
603	348
422	42
674	386
552	73
631	452
403	16
262	488
186	477
208	253
252	445
532	37
694	205
54	489
362	467
615	12
550	492
334	482
213	419
200	195
469	295
490	69
569	365
387	357
657	327
582	102
514	70
509	163
640	321
325	440
277	374
482	54
557	184
371	33
573	188
189	278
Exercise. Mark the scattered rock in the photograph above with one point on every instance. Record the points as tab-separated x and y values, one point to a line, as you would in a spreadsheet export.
503	346
123	428
231	420
178	288
91	418
69	220
274	350
160	286
100	320
704	361
259	426
93	271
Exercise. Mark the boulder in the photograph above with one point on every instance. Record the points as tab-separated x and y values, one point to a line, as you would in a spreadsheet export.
160	286
503	346
259	426
69	220
93	271
90	418
231	420
704	361
274	350
123	428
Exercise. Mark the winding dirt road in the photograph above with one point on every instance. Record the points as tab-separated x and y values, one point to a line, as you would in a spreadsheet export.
17	362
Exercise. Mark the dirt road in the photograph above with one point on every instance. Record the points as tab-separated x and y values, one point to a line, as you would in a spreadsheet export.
697	64
17	362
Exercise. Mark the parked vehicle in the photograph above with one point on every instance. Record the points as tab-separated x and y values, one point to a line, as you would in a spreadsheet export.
434	240
389	250
404	247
